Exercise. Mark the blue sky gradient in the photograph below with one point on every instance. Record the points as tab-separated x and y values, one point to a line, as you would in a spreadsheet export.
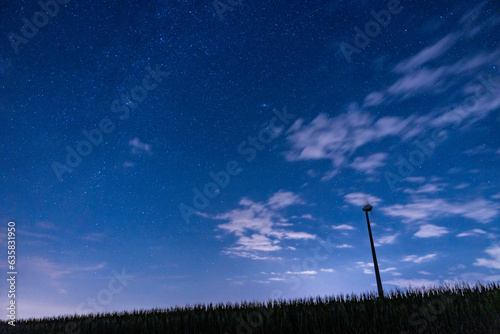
157	154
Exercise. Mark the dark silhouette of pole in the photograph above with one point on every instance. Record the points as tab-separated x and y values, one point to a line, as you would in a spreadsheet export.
367	208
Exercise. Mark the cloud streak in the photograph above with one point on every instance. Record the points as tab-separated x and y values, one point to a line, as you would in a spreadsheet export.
259	227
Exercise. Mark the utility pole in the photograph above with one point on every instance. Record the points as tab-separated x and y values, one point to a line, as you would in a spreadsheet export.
367	208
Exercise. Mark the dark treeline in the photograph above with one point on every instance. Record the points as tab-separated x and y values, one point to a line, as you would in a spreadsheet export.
448	309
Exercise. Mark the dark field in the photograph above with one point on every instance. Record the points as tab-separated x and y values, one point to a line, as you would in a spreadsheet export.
449	309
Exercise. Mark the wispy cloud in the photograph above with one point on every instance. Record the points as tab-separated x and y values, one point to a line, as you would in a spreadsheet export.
54	270
481	149
374	99
49	268
470	233
419	259
138	147
360	199
282	199
426	189
343	227
259	227
480	210
414	283
494	262
386	240
305	272
420	81
99	266
427	54
337	138
416	179
366	267
422	272
370	163
93	236
44	225
431	231
39	235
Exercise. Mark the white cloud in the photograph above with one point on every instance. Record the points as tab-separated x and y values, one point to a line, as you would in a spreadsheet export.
418	81
457	267
256	242
360	199
343	227
474	232
494	262
259	227
54	270
374	99
421	272
427	54
481	149
480	210
419	259
327	270
296	235
305	272
429	231
426	189
386	240
48	267
282	199
468	113
366	267
251	255
344	246
338	138
415	283
416	179
138	147
370	163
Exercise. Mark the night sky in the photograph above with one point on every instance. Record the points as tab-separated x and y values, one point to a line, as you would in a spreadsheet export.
162	153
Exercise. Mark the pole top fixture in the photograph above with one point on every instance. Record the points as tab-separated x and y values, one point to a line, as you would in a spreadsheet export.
367	207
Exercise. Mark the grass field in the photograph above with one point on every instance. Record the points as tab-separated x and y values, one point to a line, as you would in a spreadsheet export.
448	309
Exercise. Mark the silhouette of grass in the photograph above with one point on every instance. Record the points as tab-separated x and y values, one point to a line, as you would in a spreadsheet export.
461	308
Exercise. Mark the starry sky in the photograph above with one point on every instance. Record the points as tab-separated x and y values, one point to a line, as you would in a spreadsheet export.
162	153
